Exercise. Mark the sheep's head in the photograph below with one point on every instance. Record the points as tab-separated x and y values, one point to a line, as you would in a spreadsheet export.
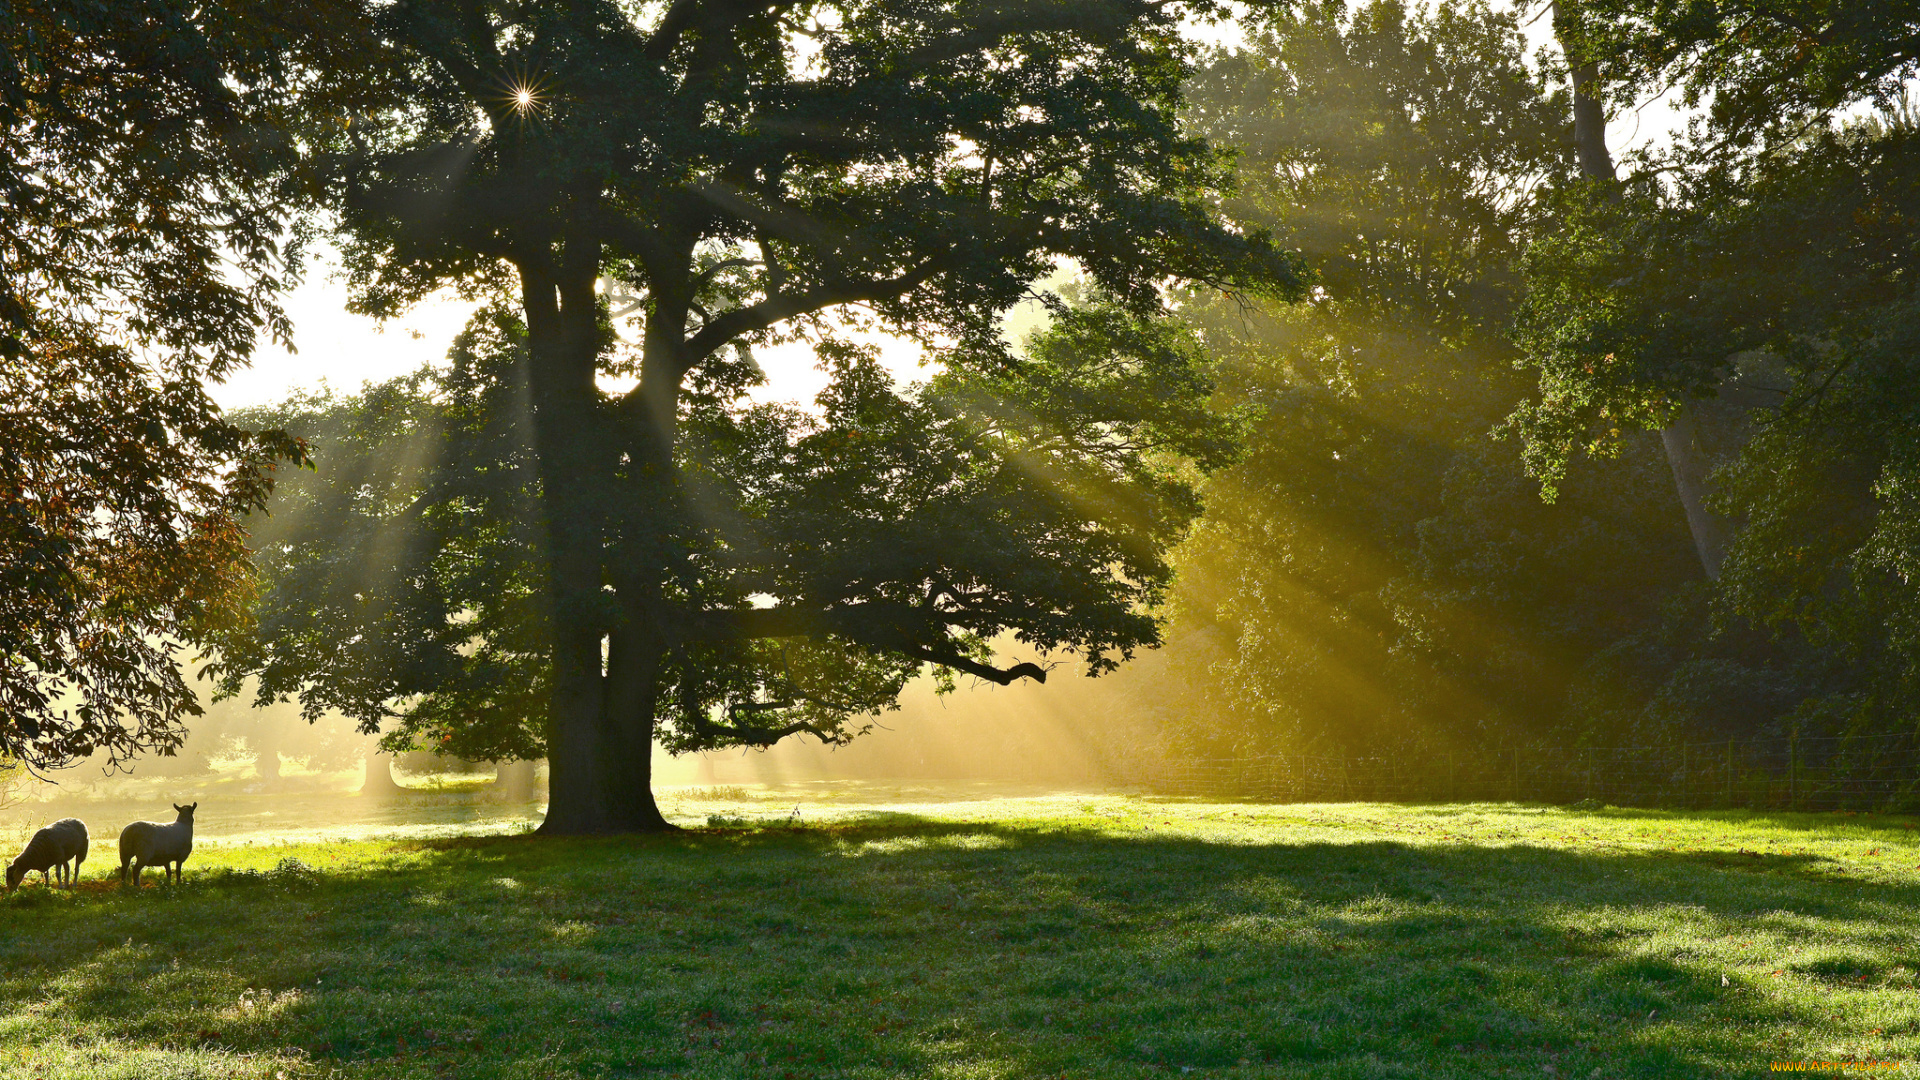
15	874
186	812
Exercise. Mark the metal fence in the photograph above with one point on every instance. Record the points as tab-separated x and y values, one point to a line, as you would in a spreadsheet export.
1877	772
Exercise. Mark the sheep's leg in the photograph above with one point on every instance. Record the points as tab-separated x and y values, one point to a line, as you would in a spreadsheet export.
77	860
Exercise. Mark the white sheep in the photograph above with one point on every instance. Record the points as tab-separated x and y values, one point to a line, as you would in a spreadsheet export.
50	849
149	843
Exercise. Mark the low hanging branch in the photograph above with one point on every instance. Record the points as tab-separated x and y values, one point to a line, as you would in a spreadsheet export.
898	628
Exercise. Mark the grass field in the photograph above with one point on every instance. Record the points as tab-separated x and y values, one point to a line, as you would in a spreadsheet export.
1055	937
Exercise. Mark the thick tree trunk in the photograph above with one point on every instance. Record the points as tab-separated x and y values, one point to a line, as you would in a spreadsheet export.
600	756
633	698
1681	437
576	743
600	725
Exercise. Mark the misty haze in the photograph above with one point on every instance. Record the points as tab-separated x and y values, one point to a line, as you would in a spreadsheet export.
949	538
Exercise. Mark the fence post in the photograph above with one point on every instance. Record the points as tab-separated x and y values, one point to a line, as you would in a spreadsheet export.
1686	782
1793	769
1729	774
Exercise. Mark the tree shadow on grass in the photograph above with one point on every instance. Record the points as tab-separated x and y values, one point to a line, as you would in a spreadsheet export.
913	947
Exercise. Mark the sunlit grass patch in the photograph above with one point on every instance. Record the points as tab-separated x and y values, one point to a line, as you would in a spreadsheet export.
1075	936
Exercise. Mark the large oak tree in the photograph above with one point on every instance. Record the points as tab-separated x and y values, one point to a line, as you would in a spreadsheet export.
750	171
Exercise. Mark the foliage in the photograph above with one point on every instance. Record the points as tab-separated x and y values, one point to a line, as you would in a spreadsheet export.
1764	71
421	512
145	241
1377	572
1043	498
1397	150
1826	487
769	171
1455	942
1759	275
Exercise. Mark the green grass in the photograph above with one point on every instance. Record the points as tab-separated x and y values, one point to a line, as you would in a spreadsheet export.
1082	937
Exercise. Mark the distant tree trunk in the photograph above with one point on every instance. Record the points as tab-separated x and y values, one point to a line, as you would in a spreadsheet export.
379	779
266	762
1681	438
1690	465
515	780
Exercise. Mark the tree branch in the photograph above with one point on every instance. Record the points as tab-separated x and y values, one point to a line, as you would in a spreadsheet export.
882	626
673	26
778	221
757	736
623	234
1025	17
949	658
780	307
709	15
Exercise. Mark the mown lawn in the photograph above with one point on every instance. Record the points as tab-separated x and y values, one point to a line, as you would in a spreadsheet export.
1085	937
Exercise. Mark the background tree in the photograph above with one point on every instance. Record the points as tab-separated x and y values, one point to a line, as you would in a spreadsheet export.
1378	571
748	169
1762	266
1765	72
145	241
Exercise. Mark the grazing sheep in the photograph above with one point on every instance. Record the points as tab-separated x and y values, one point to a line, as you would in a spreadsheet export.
149	843
50	849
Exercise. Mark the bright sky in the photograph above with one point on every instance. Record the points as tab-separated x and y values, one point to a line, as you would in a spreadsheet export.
345	351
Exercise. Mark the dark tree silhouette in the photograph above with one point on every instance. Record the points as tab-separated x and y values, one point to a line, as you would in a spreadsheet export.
713	574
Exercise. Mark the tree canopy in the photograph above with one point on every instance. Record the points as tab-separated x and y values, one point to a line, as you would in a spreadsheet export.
1758	273
717	573
145	241
1763	72
1378	571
